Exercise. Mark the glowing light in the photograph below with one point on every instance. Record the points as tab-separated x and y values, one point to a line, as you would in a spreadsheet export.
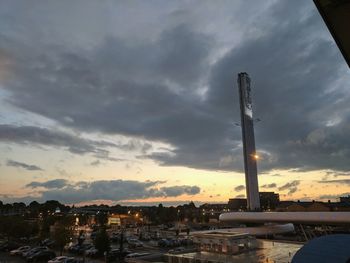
255	156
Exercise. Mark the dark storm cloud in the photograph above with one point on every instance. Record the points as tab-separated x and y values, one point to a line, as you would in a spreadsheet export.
52	184
276	175
336	174
44	136
268	186
114	190
180	190
32	135
340	182
292	187
25	166
154	90
239	188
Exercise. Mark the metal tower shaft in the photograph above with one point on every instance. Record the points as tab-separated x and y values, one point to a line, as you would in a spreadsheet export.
249	153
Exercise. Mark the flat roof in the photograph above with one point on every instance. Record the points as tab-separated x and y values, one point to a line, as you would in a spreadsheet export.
268	251
219	234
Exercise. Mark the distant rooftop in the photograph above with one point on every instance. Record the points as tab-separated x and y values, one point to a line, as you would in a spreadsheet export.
221	234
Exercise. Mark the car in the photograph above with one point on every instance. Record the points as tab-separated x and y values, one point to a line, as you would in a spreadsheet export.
136	255
145	237
84	247
64	259
164	243
133	243
178	249
68	246
61	259
115	237
33	251
74	248
91	251
43	255
19	251
47	242
93	235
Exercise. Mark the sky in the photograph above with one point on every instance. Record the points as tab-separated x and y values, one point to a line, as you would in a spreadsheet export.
135	102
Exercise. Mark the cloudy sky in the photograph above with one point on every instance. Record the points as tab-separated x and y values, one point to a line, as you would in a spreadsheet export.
136	101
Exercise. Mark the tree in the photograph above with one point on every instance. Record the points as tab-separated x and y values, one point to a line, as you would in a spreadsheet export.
83	219
102	219
16	227
62	234
44	226
102	242
34	207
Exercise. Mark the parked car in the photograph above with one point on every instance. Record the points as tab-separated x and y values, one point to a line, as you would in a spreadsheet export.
43	255
177	249
68	246
33	251
93	235
115	237
84	247
61	259
74	248
136	255
145	237
19	251
91	252
133	243
47	242
164	243
64	259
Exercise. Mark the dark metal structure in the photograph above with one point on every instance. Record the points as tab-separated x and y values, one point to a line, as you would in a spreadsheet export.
250	156
336	15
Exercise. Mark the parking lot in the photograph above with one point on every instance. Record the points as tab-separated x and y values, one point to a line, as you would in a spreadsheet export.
5	257
150	248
